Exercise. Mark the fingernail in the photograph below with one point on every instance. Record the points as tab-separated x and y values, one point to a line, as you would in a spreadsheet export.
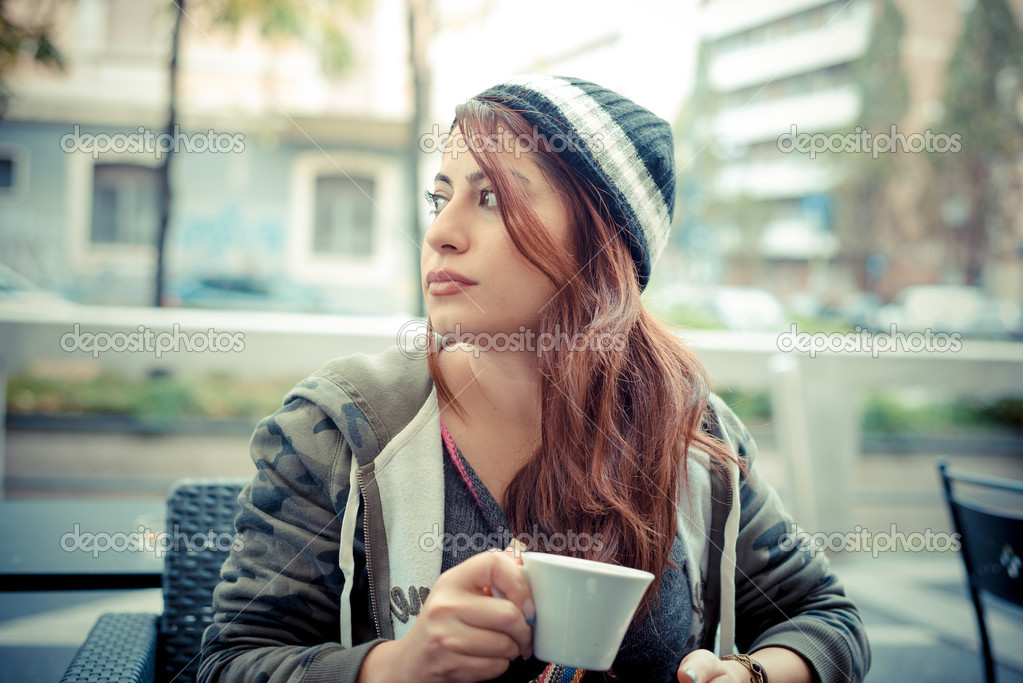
528	653
529	610
692	674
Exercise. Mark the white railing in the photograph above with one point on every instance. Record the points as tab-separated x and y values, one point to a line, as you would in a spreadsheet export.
817	402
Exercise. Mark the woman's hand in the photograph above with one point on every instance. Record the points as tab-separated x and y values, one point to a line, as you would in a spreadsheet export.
785	666
463	632
701	666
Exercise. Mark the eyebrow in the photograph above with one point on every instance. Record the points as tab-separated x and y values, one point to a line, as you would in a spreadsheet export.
475	177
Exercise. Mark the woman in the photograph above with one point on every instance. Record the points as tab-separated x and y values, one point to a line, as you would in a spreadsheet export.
563	415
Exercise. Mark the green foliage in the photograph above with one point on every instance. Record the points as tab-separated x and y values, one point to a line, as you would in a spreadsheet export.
884	99
323	24
689	317
754	409
888	413
812	325
980	104
864	206
162	396
17	41
696	163
984	80
879	74
166	397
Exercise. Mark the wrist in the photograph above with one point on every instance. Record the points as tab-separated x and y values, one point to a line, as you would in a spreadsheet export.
738	672
746	667
378	665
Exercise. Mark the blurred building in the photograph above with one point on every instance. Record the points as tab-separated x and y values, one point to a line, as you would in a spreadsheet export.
282	170
774	71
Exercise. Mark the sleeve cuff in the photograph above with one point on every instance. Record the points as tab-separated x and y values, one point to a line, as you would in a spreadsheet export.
827	660
336	664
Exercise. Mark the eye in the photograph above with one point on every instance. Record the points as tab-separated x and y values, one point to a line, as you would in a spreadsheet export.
488	199
435	201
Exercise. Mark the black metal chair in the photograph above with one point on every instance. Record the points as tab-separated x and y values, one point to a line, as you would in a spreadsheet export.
991	542
139	648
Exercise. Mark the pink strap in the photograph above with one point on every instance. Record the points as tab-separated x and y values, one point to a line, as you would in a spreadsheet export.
456	457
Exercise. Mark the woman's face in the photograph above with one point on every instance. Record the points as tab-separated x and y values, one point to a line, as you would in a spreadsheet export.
474	279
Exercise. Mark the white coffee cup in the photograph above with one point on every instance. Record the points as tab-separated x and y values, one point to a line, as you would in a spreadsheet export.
583	608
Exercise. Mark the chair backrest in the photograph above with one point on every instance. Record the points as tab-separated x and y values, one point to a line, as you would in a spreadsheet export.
200	531
991	535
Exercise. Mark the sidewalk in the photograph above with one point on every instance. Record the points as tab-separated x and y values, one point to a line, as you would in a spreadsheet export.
921	623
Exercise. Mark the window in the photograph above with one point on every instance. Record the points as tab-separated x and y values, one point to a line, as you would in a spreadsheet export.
124	204
13	171
345	225
6	173
344	216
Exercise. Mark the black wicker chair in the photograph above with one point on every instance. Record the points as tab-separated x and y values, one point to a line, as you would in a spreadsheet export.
149	647
991	539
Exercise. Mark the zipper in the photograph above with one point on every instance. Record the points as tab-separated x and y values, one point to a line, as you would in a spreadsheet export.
369	564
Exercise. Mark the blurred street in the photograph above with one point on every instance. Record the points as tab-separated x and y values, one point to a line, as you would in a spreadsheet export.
920	621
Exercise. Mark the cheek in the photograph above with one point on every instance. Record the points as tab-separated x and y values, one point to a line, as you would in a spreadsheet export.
527	291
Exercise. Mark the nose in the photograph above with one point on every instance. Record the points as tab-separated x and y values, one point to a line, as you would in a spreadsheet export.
447	233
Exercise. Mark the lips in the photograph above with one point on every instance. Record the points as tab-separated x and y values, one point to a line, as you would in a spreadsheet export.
447	275
447	282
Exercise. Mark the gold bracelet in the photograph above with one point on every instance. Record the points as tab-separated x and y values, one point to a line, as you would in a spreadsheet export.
755	668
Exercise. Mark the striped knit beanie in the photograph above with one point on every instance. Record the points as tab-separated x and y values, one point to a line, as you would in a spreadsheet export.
623	149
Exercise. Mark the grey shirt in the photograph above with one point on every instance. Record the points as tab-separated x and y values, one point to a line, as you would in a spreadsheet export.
654	644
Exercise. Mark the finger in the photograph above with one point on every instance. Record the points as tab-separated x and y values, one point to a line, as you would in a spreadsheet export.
472	604
515	549
700	666
484	643
506	580
502	616
688	675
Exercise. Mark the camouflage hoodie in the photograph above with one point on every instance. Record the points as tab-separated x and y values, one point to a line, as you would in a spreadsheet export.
350	481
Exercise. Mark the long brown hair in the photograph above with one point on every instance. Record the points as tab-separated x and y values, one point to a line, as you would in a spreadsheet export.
617	418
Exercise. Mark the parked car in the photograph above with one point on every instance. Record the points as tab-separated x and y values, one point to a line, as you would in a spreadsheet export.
950	308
